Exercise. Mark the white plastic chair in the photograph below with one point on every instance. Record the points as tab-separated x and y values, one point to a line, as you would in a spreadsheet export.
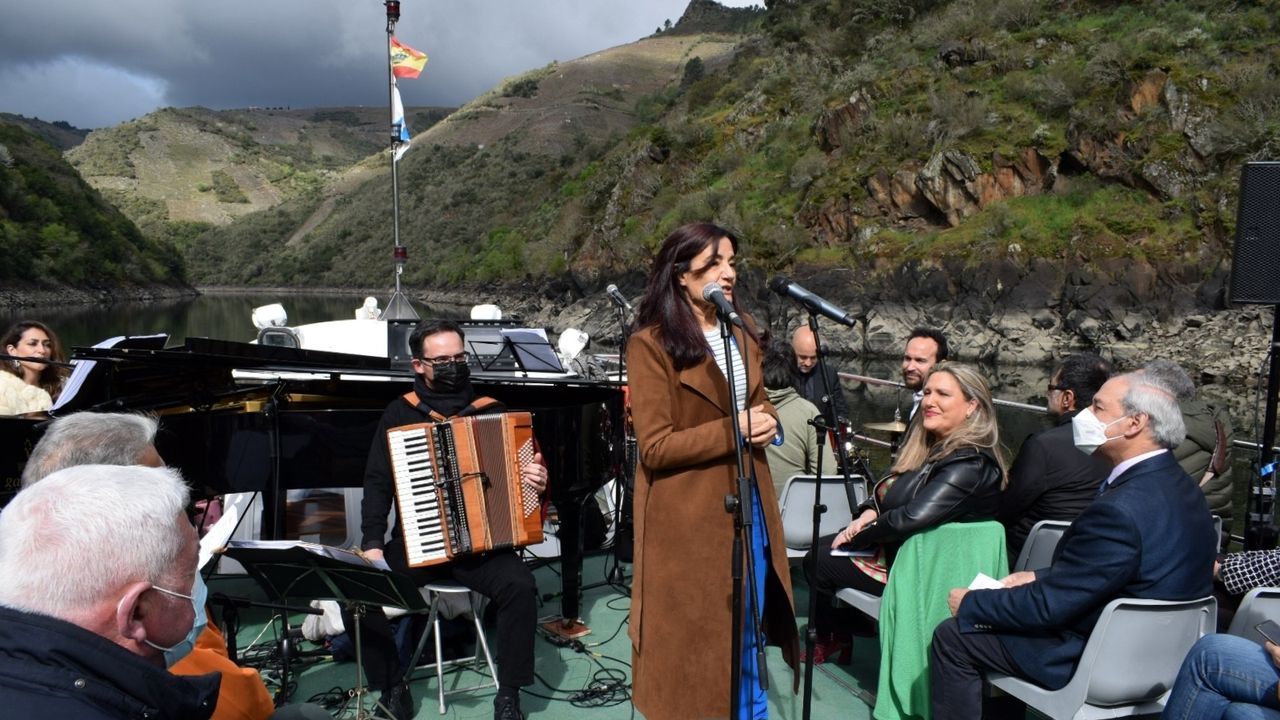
1129	663
797	509
435	592
863	602
1262	603
1037	551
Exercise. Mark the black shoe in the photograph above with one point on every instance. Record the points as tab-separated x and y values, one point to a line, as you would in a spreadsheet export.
398	702
507	708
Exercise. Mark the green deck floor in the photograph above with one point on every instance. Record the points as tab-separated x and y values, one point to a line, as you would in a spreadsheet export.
563	672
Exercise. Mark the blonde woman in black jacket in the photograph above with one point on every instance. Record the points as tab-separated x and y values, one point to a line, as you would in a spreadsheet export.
949	469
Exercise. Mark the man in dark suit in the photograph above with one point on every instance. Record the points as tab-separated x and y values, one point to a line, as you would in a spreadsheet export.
1147	535
1050	479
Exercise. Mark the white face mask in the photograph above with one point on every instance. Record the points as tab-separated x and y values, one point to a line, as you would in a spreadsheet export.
1089	433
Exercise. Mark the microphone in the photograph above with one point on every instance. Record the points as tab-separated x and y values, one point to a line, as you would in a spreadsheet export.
617	297
818	422
811	302
714	294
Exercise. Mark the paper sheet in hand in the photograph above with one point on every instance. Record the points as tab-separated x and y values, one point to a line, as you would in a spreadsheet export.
219	534
983	581
847	551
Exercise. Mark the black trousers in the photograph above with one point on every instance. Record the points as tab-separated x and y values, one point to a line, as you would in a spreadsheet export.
956	663
833	573
500	576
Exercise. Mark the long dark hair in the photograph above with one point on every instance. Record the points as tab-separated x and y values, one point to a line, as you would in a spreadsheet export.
51	376
665	306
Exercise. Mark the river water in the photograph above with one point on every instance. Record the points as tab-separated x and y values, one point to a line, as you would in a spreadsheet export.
227	316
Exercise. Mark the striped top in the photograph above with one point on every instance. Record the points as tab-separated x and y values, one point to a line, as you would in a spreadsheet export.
716	345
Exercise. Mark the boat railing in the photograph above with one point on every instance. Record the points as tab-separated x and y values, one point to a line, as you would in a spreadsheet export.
899	384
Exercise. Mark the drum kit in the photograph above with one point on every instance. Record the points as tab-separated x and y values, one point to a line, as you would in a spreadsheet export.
855	453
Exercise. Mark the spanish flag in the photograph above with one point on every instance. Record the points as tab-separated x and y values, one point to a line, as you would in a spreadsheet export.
405	61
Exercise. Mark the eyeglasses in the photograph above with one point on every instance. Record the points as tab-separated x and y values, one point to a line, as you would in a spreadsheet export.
1059	388
443	360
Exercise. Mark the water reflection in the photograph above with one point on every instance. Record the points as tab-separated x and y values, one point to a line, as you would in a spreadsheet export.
222	315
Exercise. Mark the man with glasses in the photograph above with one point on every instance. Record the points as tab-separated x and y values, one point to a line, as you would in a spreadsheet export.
99	593
441	390
1050	479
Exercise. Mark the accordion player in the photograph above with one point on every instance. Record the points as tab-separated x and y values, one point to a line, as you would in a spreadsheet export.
458	486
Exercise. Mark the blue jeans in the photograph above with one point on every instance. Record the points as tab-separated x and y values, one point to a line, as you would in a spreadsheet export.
1225	676
753	702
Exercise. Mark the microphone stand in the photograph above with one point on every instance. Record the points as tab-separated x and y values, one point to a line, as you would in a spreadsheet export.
740	504
820	424
622	492
231	627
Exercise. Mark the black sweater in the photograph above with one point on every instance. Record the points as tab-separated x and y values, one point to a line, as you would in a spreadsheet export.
379	490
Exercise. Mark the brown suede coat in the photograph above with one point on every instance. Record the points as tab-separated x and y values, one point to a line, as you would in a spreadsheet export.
681	592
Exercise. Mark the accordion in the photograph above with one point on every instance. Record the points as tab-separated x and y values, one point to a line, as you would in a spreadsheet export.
458	486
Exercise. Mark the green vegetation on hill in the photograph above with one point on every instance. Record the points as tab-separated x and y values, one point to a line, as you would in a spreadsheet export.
837	133
180	171
54	228
60	134
1143	111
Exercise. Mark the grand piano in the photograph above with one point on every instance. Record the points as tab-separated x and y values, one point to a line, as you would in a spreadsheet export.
254	418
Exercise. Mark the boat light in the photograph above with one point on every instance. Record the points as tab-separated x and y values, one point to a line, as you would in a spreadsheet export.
486	312
272	315
572	342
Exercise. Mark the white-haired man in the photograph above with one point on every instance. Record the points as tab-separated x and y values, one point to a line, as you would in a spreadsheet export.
98	595
89	438
1148	534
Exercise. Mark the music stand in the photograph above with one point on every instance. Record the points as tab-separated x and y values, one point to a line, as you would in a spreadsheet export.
286	568
531	350
514	349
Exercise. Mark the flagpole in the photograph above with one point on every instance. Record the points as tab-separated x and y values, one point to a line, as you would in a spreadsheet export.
398	307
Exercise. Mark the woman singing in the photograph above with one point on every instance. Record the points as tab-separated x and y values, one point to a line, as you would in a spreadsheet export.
949	469
28	386
681	611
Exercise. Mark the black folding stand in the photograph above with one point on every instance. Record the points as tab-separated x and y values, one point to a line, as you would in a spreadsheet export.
285	572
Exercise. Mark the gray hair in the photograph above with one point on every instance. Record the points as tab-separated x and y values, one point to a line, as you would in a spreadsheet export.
1169	374
90	438
74	538
1149	395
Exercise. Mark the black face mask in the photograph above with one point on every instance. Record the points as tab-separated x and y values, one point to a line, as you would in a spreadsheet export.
450	378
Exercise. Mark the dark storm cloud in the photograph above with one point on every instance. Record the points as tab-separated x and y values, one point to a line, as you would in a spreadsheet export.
99	62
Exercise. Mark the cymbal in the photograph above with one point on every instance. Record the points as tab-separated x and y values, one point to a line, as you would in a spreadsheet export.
890	427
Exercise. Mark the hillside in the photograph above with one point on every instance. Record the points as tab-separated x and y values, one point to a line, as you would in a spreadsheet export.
1075	160
511	158
60	134
57	230
179	171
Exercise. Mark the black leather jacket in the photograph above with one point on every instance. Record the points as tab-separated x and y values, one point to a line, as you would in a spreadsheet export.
963	486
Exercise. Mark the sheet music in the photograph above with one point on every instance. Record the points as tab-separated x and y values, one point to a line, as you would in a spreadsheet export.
83	368
533	349
335	553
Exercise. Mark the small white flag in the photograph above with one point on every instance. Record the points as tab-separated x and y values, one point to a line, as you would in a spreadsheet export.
399	128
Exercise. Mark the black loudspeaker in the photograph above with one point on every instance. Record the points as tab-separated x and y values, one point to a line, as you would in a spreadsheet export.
1255	269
